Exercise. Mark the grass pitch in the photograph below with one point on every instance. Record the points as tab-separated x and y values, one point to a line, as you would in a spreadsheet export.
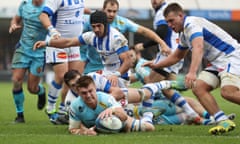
38	129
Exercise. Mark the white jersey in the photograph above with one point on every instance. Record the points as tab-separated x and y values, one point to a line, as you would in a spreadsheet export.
101	82
171	39
67	16
220	49
109	47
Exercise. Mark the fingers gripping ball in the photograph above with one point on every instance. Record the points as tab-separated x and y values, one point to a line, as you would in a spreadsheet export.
109	124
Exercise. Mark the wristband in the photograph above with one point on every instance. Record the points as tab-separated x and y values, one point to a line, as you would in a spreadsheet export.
50	27
117	73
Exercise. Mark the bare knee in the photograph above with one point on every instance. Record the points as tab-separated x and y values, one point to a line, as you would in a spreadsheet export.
33	88
227	92
17	82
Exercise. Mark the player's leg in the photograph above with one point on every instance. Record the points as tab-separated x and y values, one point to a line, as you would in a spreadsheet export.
18	94
206	82
135	125
36	71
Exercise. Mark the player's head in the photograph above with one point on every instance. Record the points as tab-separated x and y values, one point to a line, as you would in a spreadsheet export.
70	79
174	16
110	7
157	3
98	21
87	90
134	56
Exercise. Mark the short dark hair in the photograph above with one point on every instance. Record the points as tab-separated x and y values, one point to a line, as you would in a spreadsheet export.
71	74
173	7
112	2
84	81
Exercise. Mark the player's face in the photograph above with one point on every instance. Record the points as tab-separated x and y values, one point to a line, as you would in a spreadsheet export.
175	21
132	56
98	29
111	11
88	95
72	84
156	3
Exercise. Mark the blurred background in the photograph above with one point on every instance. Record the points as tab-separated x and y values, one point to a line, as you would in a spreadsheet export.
225	13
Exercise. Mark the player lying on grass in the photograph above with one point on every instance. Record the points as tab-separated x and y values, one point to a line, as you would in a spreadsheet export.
91	106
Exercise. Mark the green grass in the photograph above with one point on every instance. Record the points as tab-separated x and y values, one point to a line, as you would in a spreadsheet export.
38	129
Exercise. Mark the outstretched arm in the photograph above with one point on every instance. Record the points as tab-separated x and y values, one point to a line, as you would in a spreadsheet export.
58	43
153	36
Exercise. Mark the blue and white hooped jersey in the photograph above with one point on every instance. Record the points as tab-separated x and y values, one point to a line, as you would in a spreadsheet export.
218	45
33	29
66	15
80	112
109	47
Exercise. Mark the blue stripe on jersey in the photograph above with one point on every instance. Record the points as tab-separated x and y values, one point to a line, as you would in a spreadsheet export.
107	41
197	34
54	19
181	47
168	38
107	87
217	42
122	49
228	67
95	42
48	11
99	43
81	40
161	22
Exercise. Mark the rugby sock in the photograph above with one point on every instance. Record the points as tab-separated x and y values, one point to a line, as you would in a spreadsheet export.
61	108
219	116
18	97
147	117
41	89
181	102
206	115
53	94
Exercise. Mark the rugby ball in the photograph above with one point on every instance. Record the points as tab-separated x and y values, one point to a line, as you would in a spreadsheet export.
109	124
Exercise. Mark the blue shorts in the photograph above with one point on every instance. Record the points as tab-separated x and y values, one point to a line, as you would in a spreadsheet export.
34	64
170	108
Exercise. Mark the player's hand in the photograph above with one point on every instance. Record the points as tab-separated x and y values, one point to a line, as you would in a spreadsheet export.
106	113
190	80
39	44
149	64
14	27
138	47
90	132
165	50
113	79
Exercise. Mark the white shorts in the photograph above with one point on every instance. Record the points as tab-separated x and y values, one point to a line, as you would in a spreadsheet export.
56	55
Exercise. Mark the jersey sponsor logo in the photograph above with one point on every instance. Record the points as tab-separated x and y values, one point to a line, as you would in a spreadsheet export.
62	55
103	105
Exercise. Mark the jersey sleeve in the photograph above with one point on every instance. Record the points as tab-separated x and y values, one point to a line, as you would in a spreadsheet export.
51	6
132	26
120	44
20	8
86	38
192	30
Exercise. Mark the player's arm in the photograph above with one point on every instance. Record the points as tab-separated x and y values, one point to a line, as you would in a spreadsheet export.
153	36
77	128
15	23
161	31
45	20
173	58
126	65
59	43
